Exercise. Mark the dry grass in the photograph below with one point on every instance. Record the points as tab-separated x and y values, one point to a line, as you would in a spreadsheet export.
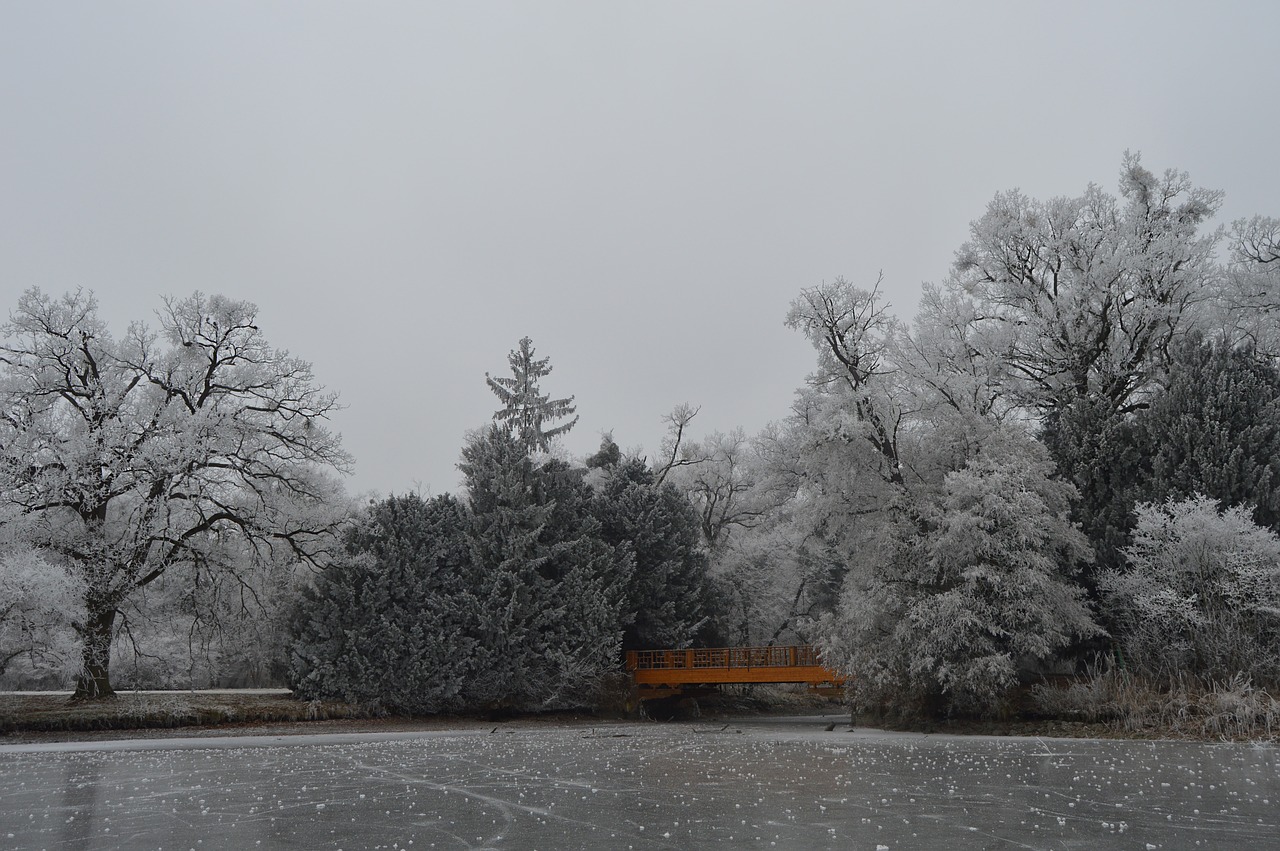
1233	710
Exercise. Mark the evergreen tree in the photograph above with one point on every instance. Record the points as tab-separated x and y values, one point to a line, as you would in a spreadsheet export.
1002	555
940	612
550	590
607	457
393	625
524	408
669	594
1100	452
1215	430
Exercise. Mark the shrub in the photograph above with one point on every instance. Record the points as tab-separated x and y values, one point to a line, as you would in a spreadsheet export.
1201	595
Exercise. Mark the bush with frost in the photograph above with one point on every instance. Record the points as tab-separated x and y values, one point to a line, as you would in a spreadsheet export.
39	601
1200	595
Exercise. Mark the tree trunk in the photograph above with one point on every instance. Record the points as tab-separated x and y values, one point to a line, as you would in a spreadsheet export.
94	679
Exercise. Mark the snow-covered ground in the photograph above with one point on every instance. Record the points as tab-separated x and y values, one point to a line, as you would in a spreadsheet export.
769	783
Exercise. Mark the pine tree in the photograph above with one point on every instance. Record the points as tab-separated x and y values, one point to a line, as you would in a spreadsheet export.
524	409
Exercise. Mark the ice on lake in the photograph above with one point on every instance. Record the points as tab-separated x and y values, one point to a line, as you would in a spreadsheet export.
773	783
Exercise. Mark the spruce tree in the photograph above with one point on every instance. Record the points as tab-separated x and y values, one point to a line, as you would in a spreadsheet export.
524	408
550	589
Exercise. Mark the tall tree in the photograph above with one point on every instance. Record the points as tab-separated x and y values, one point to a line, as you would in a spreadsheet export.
854	334
914	483
940	615
125	458
1082	296
550	591
998	589
525	409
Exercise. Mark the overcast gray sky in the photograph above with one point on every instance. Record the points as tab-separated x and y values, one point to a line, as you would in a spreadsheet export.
406	189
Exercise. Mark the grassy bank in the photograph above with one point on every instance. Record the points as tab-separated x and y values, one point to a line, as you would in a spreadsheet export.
57	713
1108	706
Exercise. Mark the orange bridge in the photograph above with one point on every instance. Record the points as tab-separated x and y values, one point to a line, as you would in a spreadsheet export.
662	673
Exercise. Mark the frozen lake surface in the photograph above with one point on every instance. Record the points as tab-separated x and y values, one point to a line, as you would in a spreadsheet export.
769	783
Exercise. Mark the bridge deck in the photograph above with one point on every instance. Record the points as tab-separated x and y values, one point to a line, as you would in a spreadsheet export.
726	665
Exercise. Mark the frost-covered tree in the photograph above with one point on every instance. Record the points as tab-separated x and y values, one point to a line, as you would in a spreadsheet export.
1214	429
767	582
1200	594
38	600
183	446
1257	240
854	335
913	483
1249	308
783	511
774	581
719	478
394	624
195	628
840	451
940	616
551	593
1001	559
668	597
1082	296
1075	305
525	409
837	462
674	452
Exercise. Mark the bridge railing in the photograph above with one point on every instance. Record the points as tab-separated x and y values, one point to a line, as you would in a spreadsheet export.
724	658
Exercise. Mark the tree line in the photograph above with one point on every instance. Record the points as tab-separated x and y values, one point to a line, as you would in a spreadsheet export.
1071	453
520	595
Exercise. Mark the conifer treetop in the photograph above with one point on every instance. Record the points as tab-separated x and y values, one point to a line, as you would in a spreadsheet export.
524	409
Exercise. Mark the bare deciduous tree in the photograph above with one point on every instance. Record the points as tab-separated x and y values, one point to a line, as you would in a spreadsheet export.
1083	295
677	423
188	446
